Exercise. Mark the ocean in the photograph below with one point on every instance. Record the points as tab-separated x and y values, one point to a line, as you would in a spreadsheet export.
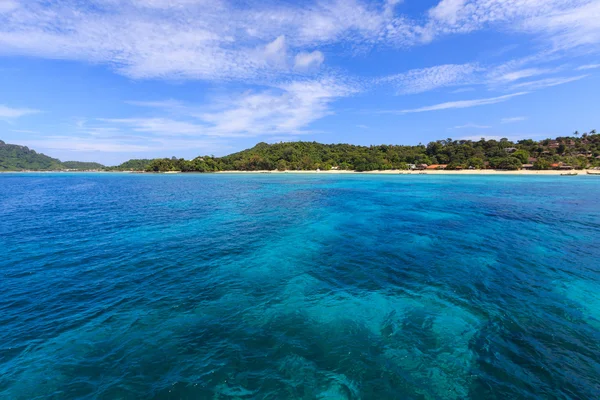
285	286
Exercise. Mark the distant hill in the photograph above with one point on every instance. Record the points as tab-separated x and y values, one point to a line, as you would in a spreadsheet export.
578	151
16	158
132	165
82	165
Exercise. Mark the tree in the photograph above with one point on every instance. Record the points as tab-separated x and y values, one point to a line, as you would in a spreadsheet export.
522	155
509	163
282	165
541	164
476	163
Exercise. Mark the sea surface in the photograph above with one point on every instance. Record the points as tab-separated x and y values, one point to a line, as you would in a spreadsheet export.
284	286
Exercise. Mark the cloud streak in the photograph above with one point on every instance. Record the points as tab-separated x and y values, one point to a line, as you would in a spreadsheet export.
427	79
472	126
511	120
463	103
12	113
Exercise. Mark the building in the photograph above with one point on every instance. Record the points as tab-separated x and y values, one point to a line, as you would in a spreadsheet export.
527	166
510	149
437	166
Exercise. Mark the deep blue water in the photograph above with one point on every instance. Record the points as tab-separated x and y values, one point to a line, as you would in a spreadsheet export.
118	286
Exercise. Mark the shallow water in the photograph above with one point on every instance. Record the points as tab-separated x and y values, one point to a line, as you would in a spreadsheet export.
299	287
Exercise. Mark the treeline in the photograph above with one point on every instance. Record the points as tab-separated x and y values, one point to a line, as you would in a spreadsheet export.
21	158
17	158
132	165
82	165
575	151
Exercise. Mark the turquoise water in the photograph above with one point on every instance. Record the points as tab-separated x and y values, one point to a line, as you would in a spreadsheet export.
118	286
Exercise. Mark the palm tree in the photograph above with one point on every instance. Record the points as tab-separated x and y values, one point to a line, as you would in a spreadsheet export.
576	133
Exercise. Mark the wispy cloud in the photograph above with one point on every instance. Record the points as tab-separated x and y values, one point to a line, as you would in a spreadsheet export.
564	24
8	5
521	74
305	60
464	103
426	79
588	66
10	113
165	104
511	120
285	110
463	90
222	40
549	82
513	137
472	126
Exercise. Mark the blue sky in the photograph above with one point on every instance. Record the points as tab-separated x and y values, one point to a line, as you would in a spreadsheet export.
110	80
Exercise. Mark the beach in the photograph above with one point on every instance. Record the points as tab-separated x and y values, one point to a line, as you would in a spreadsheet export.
426	172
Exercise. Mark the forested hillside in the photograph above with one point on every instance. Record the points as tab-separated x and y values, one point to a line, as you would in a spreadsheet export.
82	165
576	151
17	158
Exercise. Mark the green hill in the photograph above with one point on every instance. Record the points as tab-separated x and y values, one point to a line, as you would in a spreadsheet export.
132	165
576	152
17	158
82	165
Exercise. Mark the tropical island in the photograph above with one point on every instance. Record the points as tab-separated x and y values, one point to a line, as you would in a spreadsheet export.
573	152
562	153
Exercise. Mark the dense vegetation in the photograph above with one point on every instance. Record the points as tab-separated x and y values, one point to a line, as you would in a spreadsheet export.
16	158
82	165
577	151
132	165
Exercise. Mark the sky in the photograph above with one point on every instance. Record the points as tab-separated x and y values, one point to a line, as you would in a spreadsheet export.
111	80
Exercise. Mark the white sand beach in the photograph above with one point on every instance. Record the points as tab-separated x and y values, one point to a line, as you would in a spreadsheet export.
426	172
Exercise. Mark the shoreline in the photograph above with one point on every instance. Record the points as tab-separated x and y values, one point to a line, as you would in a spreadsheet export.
425	172
339	172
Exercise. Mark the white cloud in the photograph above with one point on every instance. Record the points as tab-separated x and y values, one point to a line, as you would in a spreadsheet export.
510	120
285	110
308	60
288	109
426	79
275	53
549	82
463	90
589	66
8	5
221	40
498	137
447	10
472	126
10	113
23	131
169	104
159	126
210	40
573	25
464	103
84	145
521	74
563	23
